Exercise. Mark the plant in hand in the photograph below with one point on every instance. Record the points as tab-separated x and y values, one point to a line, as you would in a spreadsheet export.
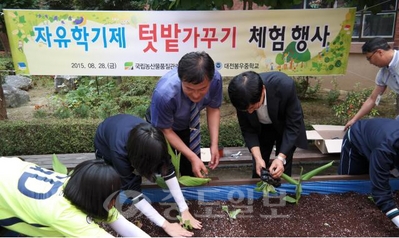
298	183
184	180
267	184
186	224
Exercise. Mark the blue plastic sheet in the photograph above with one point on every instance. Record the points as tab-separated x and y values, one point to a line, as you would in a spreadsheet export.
224	193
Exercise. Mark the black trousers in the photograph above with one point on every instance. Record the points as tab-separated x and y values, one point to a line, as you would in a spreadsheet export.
268	138
184	135
185	164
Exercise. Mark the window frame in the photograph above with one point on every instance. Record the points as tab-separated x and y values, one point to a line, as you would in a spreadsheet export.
363	15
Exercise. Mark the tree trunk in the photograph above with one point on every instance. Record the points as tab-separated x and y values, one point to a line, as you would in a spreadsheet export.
3	111
4	39
250	3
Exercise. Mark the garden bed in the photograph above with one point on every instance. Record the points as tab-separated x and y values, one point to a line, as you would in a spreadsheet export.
331	214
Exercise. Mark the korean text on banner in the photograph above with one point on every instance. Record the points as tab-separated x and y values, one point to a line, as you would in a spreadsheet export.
149	43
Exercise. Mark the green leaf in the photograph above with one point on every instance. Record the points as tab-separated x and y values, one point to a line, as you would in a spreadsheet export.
179	218
371	198
225	208
298	192
58	166
314	172
233	214
161	182
175	159
193	181
270	189
289	199
187	225
289	179
259	186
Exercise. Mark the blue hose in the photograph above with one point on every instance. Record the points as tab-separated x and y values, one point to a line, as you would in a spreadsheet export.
224	193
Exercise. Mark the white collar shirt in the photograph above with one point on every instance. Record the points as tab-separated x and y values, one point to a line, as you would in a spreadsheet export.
263	114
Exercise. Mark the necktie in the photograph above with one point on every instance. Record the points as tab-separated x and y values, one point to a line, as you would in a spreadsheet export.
195	136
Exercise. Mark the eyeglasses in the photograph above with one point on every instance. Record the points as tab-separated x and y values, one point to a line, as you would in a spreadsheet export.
371	56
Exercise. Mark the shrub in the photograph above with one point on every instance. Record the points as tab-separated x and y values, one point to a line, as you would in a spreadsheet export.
47	136
40	113
352	103
229	134
304	88
333	94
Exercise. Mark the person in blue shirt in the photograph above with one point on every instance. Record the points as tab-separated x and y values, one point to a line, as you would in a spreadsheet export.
194	80
379	53
135	148
371	146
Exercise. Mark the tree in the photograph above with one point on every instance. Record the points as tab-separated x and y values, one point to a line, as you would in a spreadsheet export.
3	110
190	4
12	4
57	5
109	4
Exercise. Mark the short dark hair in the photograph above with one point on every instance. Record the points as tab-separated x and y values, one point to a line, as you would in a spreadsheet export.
195	67
147	150
374	44
245	89
91	183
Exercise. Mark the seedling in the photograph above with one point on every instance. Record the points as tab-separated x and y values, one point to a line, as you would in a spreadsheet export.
265	188
267	184
184	180
186	224
298	183
58	166
232	214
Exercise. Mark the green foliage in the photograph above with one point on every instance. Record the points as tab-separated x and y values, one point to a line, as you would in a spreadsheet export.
42	80
109	5
62	113
40	114
58	166
6	63
265	188
47	136
333	94
232	214
15	4
81	111
304	88
101	97
190	4
184	180
107	109
229	134
352	103
298	183
186	224
57	5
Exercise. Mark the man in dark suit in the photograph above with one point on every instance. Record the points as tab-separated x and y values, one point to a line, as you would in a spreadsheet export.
270	114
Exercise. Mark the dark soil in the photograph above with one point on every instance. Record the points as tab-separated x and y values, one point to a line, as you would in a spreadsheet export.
316	215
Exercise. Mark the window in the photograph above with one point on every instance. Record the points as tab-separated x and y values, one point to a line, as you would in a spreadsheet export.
367	24
382	24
